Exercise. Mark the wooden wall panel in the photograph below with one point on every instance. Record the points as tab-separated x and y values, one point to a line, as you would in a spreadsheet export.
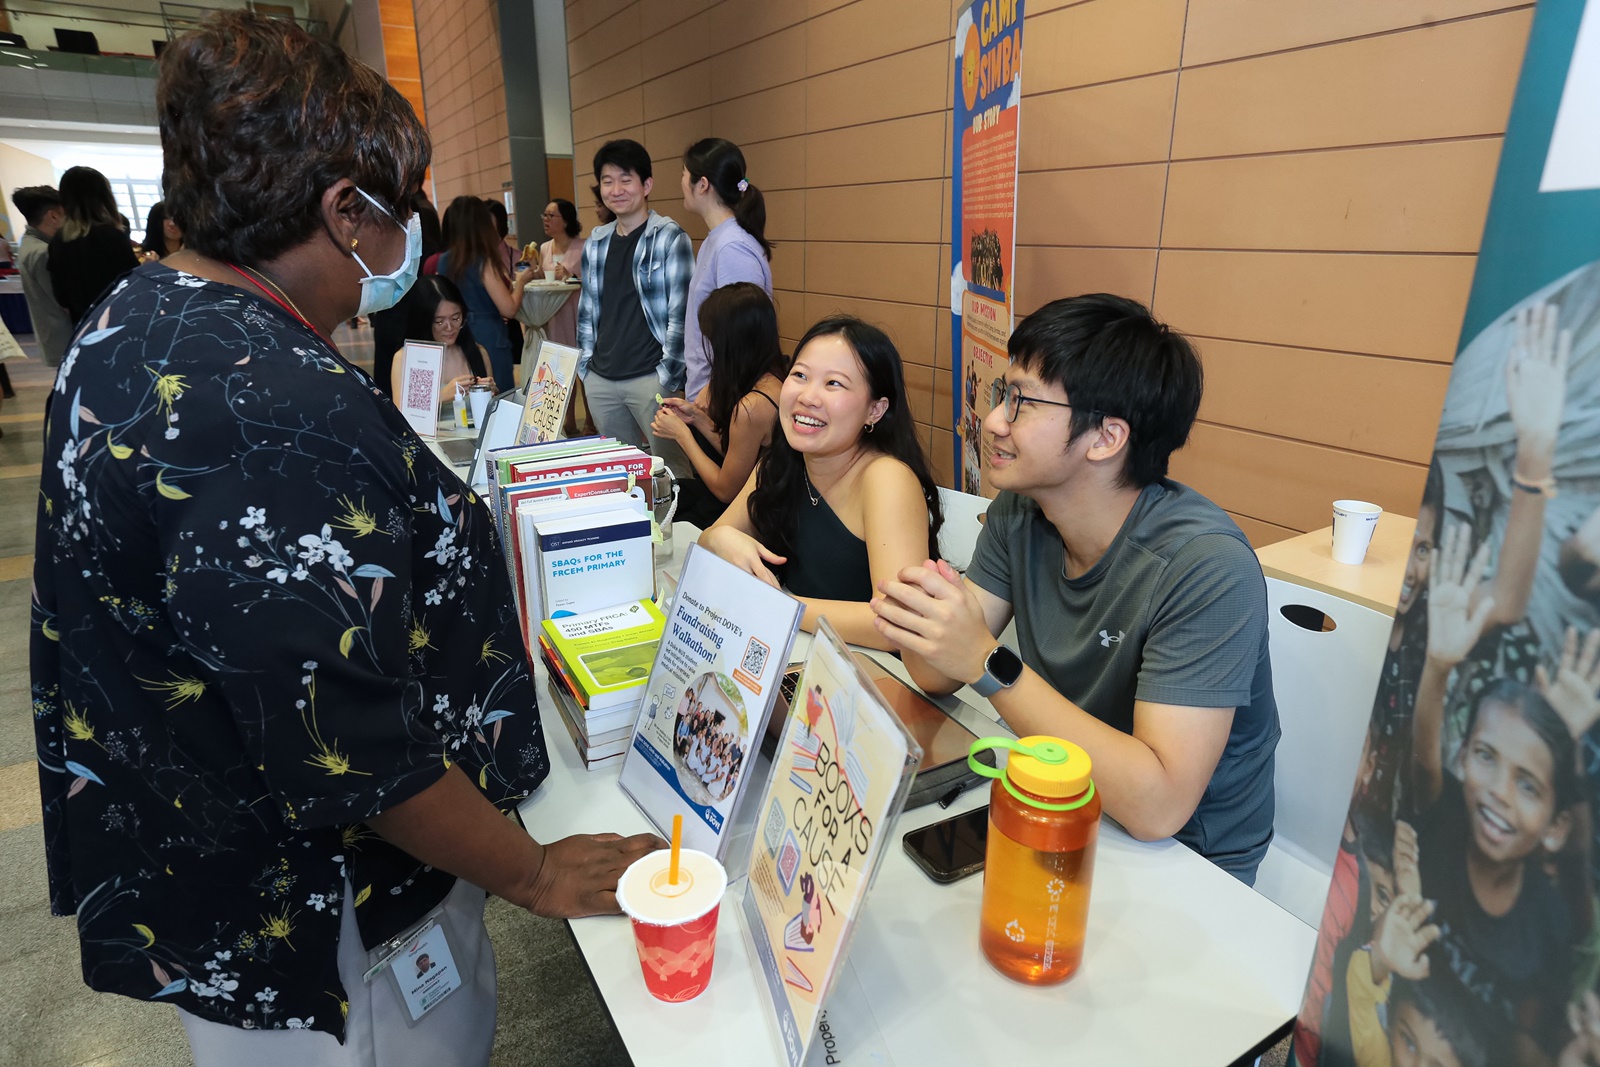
870	29
1104	206
1290	483
1102	42
896	150
765	63
908	83
1125	122
465	98
682	90
1230	29
779	112
1454	80
1397	198
893	211
1383	407
1409	306
1045	273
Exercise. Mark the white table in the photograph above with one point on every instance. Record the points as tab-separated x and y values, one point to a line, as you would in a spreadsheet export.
1184	964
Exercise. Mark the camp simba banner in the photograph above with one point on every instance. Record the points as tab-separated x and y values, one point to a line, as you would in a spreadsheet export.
983	204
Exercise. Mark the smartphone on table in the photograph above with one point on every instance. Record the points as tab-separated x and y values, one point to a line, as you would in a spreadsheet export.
950	850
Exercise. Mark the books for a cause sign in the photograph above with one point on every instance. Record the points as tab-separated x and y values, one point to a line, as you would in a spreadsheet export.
988	103
1462	927
840	776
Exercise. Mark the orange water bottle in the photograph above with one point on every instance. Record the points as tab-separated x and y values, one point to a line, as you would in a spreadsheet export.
1044	816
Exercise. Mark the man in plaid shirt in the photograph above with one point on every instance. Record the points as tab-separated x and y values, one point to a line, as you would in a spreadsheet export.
635	288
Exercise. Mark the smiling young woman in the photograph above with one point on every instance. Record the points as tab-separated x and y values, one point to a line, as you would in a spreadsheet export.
844	498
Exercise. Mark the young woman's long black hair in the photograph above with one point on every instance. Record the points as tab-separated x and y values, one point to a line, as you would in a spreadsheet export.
722	164
780	477
740	328
422	307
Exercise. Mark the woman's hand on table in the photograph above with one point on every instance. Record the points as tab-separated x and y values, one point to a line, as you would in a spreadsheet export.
578	875
561	273
743	551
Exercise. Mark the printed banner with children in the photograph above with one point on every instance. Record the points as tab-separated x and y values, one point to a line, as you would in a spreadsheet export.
983	204
1461	926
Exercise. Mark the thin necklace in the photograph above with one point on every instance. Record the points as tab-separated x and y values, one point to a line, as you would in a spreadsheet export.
809	492
259	278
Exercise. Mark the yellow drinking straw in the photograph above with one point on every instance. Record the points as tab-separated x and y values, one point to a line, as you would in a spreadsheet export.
677	846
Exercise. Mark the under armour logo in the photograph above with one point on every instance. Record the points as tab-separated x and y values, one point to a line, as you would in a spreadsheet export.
1106	640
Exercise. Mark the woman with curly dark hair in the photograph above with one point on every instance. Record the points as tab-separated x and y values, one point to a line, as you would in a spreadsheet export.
281	703
844	498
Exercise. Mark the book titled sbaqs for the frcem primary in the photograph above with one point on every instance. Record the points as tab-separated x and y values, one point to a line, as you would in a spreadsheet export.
716	674
840	777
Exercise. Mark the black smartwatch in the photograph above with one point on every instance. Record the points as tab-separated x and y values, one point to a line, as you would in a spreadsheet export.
1001	669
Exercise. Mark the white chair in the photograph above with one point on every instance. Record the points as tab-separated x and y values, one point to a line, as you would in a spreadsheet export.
1324	681
963	519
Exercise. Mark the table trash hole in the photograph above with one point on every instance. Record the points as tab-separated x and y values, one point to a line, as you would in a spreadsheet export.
1308	618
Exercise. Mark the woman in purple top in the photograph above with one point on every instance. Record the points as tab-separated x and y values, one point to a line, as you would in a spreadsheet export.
736	248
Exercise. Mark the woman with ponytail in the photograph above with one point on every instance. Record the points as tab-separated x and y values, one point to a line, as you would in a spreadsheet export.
736	248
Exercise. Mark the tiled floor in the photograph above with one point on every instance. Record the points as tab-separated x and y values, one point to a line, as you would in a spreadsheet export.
48	1017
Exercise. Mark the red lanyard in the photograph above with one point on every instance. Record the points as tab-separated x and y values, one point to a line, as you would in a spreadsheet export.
281	303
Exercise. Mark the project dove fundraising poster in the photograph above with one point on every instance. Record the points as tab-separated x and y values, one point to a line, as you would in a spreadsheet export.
1461	927
983	229
712	688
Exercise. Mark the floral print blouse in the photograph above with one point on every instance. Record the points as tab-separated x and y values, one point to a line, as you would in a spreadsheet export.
263	612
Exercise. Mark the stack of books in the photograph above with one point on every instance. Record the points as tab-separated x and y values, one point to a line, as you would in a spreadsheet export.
598	664
575	525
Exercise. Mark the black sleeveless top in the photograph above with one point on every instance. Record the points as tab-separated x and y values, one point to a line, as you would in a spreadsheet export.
696	503
828	562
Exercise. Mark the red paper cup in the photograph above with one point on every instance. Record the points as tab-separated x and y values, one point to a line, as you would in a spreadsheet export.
677	959
674	926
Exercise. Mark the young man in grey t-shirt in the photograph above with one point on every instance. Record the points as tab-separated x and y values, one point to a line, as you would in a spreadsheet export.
1141	610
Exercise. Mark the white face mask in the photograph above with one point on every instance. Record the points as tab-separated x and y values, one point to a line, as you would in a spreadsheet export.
379	292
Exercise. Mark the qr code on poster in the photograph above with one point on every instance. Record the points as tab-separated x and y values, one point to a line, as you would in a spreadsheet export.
419	389
755	658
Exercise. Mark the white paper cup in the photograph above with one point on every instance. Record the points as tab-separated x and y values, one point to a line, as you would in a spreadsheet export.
479	399
1353	523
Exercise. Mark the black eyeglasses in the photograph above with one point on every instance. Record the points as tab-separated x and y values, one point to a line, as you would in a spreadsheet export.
1014	398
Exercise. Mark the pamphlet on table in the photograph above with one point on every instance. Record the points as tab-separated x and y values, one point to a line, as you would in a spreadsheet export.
711	690
841	775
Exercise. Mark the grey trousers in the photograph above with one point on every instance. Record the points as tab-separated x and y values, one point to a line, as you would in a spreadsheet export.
625	409
379	1031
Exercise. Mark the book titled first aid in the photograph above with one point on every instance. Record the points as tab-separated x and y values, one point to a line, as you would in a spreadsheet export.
590	562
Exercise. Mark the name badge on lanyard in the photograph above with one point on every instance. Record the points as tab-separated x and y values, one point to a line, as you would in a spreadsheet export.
423	968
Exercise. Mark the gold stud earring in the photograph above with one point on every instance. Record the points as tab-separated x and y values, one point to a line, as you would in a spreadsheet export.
353	243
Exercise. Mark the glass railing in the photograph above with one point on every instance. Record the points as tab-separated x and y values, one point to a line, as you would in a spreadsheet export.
135	66
122	35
